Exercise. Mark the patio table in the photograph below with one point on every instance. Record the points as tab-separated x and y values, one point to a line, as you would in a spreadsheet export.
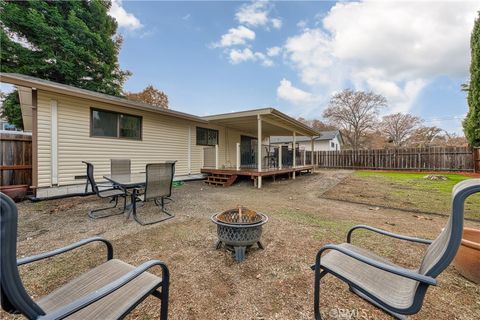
128	181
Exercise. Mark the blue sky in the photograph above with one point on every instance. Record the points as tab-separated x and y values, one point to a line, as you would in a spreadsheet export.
216	57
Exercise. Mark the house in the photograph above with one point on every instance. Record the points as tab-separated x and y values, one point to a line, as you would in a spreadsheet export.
326	141
70	125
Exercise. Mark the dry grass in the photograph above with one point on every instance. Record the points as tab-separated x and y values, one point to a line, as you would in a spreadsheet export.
275	283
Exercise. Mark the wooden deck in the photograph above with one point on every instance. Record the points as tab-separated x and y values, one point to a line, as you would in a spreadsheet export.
255	173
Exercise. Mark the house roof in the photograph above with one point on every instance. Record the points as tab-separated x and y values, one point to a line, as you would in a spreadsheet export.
324	136
274	122
33	82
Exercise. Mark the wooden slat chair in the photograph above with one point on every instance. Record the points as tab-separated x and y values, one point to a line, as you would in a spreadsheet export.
396	290
104	191
108	291
158	187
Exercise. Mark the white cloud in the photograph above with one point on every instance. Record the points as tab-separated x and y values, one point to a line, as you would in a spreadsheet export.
302	24
124	19
236	56
387	47
287	91
187	17
276	23
236	36
273	51
253	14
256	14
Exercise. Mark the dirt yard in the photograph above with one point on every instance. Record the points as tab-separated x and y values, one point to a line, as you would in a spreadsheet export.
275	283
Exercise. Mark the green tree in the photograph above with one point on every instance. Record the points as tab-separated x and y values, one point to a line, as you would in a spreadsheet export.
70	42
11	109
471	124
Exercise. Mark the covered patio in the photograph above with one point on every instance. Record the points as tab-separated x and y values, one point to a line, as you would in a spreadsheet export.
254	155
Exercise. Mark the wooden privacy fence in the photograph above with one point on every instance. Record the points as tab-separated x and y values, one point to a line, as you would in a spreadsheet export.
428	159
15	159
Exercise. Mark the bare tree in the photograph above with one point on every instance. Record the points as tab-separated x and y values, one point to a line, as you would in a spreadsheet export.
355	113
317	124
398	127
424	136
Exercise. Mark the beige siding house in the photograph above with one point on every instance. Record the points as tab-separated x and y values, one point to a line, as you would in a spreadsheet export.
70	125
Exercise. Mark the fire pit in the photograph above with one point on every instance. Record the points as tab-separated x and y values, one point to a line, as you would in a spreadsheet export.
238	229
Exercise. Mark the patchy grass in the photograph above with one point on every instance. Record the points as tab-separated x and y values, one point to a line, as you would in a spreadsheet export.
405	191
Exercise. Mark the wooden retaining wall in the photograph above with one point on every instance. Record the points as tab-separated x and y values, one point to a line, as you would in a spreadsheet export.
15	159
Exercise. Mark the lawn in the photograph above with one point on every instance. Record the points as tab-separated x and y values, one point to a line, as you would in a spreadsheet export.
410	191
275	283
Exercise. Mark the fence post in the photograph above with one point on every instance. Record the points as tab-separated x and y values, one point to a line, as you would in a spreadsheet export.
476	160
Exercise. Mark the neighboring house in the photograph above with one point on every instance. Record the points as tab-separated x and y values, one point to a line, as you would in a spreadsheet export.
4	125
326	141
70	125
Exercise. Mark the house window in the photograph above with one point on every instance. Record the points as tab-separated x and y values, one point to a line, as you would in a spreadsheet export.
115	125
207	137
332	144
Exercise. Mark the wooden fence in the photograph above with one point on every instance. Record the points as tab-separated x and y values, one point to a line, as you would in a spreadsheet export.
15	159
426	159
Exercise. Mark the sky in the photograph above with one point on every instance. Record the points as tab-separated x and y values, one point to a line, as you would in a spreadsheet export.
216	57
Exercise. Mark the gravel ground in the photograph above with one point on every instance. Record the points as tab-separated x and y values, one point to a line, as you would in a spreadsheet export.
275	283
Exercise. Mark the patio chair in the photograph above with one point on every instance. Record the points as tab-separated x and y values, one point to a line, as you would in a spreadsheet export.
120	166
158	186
174	163
108	291
396	290
104	192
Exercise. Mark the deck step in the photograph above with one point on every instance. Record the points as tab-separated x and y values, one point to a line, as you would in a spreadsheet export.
224	180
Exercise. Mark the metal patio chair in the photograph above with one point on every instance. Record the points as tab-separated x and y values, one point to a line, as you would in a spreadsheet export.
108	291
396	290
158	187
120	166
174	164
104	192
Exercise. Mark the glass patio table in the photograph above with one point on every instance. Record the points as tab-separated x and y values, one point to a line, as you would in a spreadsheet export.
127	181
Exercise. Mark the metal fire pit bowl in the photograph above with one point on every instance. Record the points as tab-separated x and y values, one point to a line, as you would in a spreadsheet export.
238	229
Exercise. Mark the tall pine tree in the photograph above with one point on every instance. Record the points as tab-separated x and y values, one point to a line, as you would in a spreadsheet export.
70	42
471	124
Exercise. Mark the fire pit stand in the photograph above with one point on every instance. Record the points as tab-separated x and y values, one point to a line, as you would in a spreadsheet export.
239	229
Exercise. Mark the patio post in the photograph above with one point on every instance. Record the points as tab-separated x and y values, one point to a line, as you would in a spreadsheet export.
294	142
238	155
259	150
313	148
312	162
304	157
280	157
216	156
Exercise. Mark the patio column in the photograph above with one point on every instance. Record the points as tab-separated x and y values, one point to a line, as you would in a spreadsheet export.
294	141
304	157
259	150
216	157
238	155
313	148
280	157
